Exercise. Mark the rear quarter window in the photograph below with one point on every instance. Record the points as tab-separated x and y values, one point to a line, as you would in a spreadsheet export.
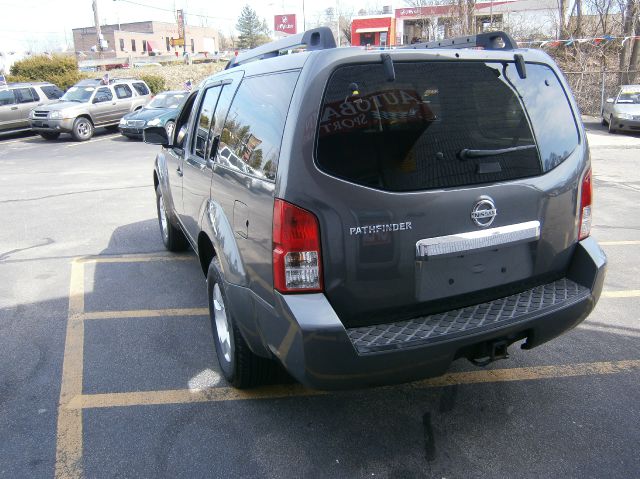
255	123
141	88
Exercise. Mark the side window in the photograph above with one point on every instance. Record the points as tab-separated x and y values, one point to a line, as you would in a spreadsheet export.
205	121
133	45
25	95
52	92
7	97
122	44
123	91
103	94
255	124
141	88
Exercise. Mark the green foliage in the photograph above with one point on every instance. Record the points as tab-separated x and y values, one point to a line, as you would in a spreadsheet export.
253	30
155	82
58	69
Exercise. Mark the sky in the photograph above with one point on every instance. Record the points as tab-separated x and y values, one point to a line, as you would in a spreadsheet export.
45	24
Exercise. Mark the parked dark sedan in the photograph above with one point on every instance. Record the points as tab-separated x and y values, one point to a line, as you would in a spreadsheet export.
160	111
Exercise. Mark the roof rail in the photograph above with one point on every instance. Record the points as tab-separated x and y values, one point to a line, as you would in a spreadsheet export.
486	41
320	38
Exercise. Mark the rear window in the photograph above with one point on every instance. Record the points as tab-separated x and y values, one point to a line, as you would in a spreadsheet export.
442	124
141	88
52	92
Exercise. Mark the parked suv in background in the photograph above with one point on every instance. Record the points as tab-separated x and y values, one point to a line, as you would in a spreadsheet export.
622	112
87	105
17	100
405	208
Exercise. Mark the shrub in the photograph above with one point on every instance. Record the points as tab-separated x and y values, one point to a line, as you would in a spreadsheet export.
155	82
59	70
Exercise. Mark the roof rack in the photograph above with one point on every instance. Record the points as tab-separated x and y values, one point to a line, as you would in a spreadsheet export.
487	41
320	38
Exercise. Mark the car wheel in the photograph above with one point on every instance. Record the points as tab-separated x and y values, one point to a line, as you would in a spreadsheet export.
49	135
82	129
240	367
612	130
172	237
170	126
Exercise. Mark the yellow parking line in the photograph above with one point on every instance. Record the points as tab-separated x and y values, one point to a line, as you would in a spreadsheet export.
69	430
181	396
136	258
145	313
618	243
102	138
629	293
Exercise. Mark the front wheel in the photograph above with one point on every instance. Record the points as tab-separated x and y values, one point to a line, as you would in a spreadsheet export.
240	367
49	135
612	130
172	237
82	129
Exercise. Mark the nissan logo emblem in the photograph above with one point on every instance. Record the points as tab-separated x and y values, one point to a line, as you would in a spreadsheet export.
484	212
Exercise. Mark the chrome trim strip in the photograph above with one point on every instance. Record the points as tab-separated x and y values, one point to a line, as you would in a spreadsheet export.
478	240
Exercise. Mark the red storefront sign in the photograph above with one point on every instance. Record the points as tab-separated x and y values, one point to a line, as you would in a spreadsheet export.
285	24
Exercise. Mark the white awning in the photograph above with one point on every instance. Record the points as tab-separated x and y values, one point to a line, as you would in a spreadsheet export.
372	30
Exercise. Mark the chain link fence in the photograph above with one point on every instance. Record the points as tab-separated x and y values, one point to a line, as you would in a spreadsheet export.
592	88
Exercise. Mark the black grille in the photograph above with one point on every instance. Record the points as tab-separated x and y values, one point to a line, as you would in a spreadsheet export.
472	319
40	114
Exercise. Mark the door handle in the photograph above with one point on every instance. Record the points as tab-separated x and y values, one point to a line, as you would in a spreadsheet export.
179	171
14	107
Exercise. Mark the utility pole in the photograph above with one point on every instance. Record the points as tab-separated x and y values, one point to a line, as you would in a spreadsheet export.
96	20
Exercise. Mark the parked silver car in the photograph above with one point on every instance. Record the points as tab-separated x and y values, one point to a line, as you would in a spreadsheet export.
622	112
87	105
17	100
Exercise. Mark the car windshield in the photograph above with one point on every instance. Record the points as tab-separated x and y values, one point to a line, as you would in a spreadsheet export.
77	93
629	97
167	100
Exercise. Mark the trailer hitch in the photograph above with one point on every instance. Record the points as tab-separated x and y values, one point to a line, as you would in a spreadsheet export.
497	350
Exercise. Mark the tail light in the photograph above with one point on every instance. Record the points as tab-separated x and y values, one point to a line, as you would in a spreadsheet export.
586	192
297	265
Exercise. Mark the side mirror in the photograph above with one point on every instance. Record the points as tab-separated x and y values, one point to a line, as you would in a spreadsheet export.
156	135
610	100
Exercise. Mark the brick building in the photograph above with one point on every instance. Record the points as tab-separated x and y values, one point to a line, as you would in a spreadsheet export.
145	38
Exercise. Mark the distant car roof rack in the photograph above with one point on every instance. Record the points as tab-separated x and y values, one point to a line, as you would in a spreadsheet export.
485	41
320	38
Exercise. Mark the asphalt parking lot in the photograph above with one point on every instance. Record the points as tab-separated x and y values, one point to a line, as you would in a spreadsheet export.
107	366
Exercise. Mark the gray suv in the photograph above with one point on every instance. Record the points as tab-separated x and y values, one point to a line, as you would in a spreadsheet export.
403	208
87	105
17	100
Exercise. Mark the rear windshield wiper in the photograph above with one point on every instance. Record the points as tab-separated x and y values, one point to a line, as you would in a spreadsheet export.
466	153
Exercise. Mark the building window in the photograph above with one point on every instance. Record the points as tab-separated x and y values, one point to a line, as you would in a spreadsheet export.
193	46
122	44
144	45
133	45
168	43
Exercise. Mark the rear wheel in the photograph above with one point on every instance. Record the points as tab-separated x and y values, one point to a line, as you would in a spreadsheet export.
172	237
49	135
612	130
239	365
82	129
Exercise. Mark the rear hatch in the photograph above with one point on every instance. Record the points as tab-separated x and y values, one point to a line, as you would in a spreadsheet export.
448	185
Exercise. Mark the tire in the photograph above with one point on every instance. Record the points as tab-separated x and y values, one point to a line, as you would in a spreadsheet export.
82	129
172	237
169	127
49	135
240	367
612	130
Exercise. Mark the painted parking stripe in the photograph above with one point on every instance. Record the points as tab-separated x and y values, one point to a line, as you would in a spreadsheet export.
145	313
619	243
182	396
136	258
102	138
630	293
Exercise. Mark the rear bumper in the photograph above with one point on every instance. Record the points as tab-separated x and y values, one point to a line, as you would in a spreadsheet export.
306	335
